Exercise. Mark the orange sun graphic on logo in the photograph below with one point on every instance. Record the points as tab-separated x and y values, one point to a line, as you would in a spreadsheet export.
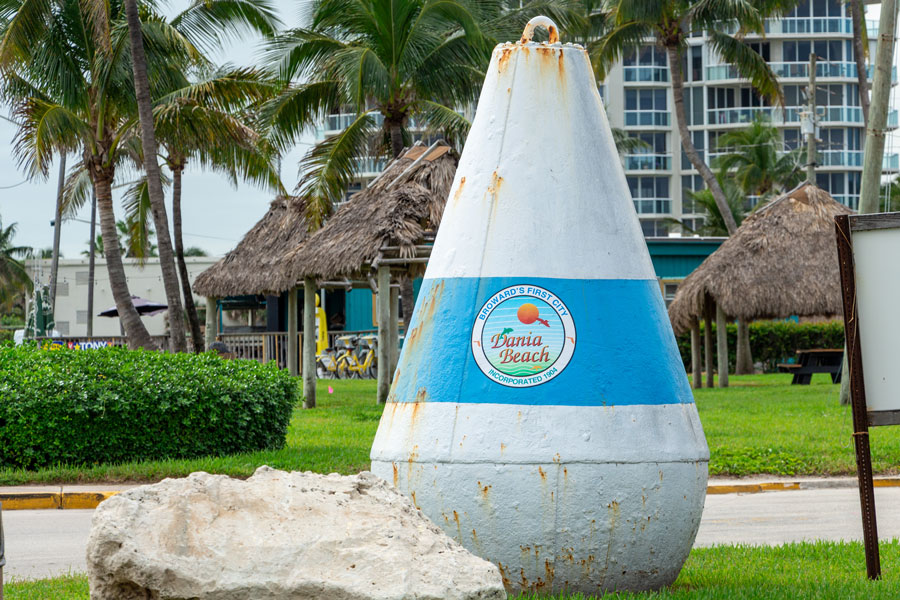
528	314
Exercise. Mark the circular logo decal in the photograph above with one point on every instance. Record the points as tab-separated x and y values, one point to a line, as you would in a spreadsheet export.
523	336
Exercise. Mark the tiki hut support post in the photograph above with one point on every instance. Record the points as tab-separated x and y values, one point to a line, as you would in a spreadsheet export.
394	330
309	342
722	345
696	364
383	312
744	358
292	351
707	341
212	320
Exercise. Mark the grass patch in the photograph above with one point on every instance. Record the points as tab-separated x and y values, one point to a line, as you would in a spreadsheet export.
760	425
67	587
806	571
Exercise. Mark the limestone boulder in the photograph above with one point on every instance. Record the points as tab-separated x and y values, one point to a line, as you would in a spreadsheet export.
277	535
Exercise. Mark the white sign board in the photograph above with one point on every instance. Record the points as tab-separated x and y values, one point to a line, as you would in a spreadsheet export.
876	258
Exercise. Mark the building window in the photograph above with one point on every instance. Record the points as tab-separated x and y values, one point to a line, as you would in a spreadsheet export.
668	290
792	139
650	194
81	277
81	317
654	228
62	327
62	288
690	226
656	142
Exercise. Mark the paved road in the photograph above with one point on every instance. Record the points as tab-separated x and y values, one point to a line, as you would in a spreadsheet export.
42	543
47	542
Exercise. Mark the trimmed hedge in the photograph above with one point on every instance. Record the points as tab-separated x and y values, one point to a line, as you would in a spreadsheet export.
772	342
113	405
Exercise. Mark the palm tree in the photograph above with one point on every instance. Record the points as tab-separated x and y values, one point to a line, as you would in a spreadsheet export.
67	74
206	121
13	276
752	156
670	23
151	168
393	64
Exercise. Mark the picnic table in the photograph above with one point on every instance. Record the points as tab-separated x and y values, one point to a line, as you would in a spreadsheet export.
816	360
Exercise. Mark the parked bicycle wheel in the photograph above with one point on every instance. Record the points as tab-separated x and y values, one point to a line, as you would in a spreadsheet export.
372	370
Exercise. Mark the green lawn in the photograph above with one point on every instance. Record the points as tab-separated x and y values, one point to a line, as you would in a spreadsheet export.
816	571
761	424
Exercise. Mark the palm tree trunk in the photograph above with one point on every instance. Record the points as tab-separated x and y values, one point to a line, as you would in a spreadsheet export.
744	360
396	139
91	258
407	299
137	334
154	183
859	54
189	306
688	144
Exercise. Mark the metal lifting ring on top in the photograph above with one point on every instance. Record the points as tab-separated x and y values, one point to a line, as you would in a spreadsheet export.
541	21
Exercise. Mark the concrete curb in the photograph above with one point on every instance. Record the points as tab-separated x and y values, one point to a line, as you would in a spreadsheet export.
90	500
53	500
786	486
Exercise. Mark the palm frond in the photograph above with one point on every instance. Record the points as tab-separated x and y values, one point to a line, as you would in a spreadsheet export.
211	23
77	189
289	114
327	168
749	64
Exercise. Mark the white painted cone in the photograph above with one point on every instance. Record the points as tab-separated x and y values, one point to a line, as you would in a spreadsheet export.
540	412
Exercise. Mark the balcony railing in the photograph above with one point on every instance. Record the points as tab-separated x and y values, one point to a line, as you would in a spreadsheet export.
813	25
840	158
336	123
891	162
648	162
646	74
733	116
647	118
802	25
797	70
792	114
653	206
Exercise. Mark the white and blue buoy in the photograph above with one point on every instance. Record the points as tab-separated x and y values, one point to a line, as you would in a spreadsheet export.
540	412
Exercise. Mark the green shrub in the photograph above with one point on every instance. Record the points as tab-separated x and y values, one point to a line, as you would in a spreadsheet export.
772	342
113	405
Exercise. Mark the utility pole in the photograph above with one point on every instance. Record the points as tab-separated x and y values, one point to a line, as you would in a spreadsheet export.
91	253
810	122
57	227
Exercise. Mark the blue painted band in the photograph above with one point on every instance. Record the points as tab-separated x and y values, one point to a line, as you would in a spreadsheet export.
625	352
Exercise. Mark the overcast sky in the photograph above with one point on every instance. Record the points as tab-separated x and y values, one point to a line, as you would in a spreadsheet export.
216	215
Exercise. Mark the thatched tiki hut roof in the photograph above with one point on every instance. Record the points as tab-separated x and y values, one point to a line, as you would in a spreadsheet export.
781	261
394	214
252	267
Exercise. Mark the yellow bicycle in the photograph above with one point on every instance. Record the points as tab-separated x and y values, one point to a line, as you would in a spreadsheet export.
349	364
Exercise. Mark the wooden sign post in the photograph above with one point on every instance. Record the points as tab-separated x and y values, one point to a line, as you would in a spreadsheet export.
870	284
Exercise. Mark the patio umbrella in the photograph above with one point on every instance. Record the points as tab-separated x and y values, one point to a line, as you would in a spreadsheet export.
144	308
